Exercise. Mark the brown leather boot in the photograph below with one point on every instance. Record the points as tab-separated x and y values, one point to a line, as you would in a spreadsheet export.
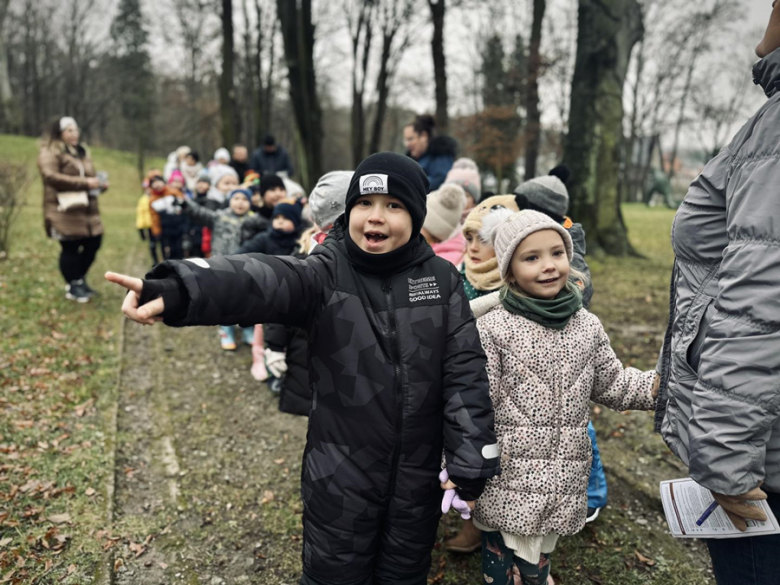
468	540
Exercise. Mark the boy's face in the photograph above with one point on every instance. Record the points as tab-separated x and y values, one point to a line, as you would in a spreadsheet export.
227	183
176	184
239	204
158	185
283	224
190	160
379	224
539	266
257	200
274	196
202	187
771	40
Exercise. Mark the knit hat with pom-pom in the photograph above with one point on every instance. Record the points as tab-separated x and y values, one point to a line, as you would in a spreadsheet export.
445	208
512	229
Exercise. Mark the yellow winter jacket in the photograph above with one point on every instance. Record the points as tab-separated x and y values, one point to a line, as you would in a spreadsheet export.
143	213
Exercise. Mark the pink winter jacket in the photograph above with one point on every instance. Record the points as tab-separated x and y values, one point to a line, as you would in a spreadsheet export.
452	249
541	383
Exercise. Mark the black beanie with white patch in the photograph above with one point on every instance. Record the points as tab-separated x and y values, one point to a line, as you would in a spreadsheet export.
388	173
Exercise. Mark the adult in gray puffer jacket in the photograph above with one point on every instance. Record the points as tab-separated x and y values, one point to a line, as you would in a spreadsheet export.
719	402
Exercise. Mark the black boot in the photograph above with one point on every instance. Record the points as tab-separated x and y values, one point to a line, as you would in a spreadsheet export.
90	291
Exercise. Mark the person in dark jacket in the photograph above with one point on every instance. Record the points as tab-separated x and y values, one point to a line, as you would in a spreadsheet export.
271	159
240	161
397	372
435	154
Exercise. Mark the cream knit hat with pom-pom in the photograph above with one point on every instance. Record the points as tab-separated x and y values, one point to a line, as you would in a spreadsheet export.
445	208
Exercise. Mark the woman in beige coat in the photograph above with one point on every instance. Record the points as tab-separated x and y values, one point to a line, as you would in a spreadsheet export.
70	204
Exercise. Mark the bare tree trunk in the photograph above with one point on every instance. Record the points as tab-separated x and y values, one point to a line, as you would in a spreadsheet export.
6	97
362	30
248	79
227	101
631	181
533	128
298	34
438	10
383	91
608	30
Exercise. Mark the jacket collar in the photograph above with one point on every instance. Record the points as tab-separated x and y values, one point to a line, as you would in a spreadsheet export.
766	73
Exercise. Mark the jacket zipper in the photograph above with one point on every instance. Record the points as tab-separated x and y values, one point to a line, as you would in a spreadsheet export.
399	403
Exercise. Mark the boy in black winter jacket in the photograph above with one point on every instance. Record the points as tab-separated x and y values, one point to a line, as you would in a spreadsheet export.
396	365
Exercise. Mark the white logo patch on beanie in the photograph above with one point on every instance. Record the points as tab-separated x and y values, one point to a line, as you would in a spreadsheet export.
375	183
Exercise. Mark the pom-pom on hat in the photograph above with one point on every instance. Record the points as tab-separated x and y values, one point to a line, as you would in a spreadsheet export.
445	208
518	226
328	199
391	174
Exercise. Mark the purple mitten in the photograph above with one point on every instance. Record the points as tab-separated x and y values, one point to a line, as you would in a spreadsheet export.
452	499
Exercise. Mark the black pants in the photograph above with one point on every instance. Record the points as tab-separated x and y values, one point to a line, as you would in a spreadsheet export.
77	256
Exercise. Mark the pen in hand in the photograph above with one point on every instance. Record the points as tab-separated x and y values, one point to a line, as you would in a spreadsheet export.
710	509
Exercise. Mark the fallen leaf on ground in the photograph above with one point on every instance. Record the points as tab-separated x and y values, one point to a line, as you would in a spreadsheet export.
5	542
278	461
268	496
162	565
60	518
643	559
90	492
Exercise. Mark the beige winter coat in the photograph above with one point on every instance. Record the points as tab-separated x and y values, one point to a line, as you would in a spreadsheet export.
63	170
541	383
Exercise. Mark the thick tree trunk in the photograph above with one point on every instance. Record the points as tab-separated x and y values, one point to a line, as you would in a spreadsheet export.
227	105
608	30
438	10
361	35
298	34
533	128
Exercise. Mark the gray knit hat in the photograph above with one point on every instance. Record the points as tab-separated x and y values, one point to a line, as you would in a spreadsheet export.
327	199
547	193
516	227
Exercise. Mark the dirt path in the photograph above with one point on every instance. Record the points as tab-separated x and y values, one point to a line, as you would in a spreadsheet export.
207	467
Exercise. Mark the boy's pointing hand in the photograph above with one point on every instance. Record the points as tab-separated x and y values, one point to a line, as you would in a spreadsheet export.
147	314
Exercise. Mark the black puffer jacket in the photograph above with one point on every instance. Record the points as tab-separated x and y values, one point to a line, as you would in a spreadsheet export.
398	374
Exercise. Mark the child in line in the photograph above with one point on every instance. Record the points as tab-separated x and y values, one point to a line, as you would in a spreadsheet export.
465	172
191	169
172	222
287	352
161	198
547	359
397	372
230	228
280	240
143	220
442	223
272	191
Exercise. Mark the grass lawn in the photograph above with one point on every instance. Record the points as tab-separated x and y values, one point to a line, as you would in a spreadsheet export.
59	367
58	371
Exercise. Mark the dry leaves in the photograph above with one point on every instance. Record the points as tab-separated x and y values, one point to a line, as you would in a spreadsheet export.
643	559
60	518
268	496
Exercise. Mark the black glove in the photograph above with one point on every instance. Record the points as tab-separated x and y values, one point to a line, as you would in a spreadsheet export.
469	489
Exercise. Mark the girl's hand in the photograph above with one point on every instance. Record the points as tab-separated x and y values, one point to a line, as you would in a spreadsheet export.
450	495
148	314
656	385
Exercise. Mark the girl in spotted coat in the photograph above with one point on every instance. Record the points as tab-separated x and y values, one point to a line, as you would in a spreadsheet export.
547	359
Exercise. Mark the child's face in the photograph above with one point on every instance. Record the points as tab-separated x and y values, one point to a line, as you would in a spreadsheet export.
227	183
283	224
239	204
158	185
256	199
379	224
176	184
274	196
429	237
202	187
190	160
478	250
539	266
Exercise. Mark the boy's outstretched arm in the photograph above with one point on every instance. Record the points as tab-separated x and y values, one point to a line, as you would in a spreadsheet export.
469	436
228	290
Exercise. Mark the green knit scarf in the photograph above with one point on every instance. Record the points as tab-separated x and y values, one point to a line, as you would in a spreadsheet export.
554	313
